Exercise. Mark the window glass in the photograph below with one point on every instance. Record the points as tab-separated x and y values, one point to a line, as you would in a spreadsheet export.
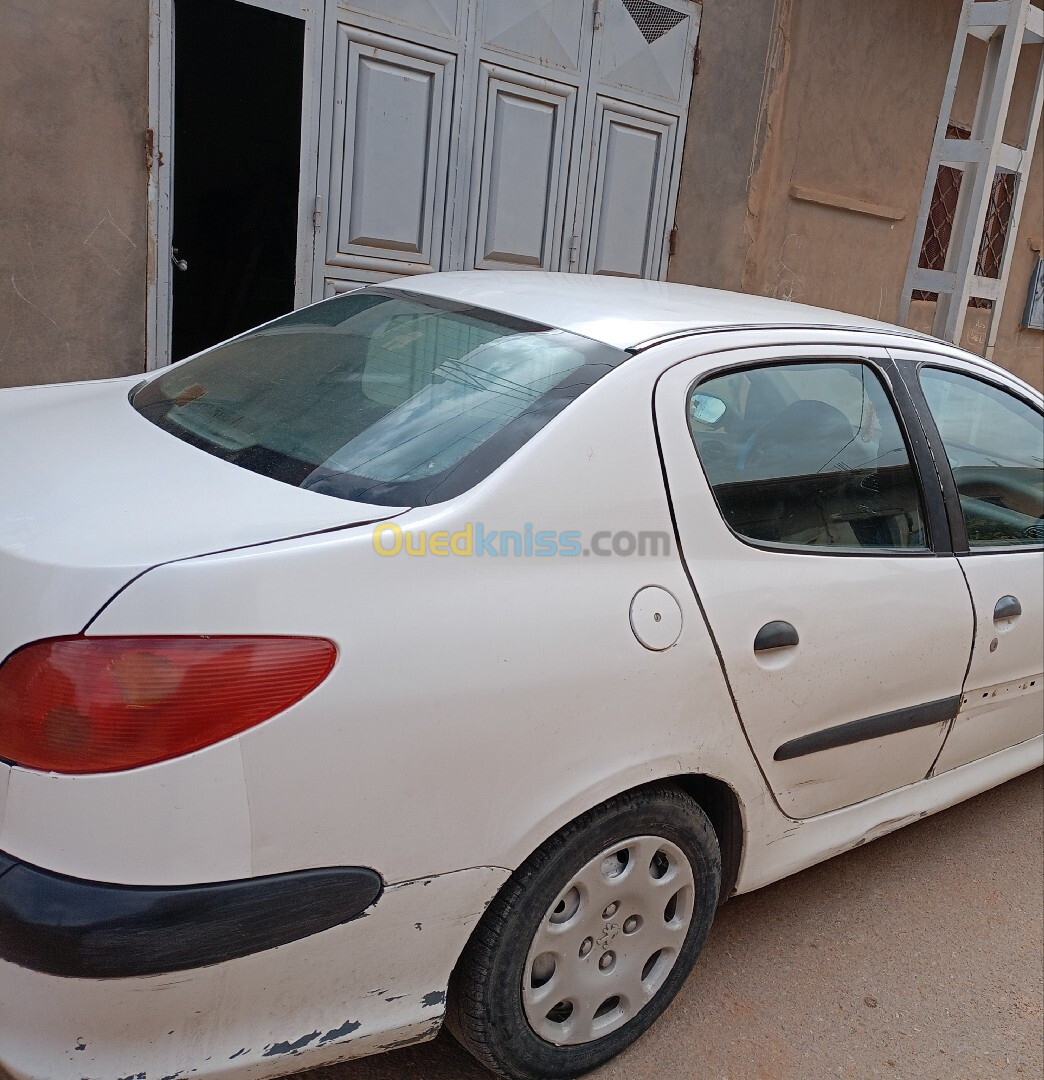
995	445
376	396
808	455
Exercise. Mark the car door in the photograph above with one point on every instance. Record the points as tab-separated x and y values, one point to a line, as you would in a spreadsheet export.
812	529
992	438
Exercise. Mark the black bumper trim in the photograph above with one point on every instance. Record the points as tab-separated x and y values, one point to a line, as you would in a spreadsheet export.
80	929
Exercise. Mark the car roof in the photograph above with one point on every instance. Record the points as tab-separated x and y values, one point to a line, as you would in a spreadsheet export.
626	312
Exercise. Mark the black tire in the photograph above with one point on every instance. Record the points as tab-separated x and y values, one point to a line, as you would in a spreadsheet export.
485	1010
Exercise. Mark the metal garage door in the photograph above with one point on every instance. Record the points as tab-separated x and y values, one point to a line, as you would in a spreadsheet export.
500	134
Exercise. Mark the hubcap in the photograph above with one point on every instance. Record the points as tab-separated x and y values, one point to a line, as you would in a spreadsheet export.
608	941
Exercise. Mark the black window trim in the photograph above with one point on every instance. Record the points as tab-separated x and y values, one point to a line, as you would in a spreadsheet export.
917	448
909	369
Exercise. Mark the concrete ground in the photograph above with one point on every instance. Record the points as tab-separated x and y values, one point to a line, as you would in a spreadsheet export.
917	957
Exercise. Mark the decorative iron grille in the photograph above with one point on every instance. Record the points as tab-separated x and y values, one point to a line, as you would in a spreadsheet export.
998	216
939	227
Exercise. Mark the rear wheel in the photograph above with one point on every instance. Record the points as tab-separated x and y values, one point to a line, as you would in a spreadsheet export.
590	939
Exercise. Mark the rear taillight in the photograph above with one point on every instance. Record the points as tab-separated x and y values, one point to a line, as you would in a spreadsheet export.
96	704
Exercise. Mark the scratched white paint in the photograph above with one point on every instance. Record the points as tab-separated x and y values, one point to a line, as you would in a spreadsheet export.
344	993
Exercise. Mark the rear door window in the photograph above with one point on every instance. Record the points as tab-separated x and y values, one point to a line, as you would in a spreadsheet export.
808	455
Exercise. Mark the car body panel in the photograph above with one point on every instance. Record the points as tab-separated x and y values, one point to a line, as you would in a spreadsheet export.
368	985
298	1006
567	654
1003	695
625	312
879	632
93	494
774	852
1003	698
176	822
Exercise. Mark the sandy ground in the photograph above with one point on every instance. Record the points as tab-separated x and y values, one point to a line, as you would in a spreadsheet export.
917	956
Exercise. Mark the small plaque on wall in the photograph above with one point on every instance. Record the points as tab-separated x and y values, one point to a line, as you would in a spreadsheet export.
1033	316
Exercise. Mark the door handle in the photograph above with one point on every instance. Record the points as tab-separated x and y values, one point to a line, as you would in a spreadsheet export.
775	635
1008	607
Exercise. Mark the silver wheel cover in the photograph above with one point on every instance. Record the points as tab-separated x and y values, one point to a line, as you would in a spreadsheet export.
609	940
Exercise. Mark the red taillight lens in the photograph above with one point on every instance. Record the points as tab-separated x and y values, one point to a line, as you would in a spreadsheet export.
86	705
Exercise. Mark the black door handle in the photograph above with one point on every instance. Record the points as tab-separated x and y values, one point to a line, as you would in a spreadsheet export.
775	635
1008	607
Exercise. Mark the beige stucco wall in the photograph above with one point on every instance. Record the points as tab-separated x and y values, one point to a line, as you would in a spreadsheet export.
73	113
849	110
839	96
740	53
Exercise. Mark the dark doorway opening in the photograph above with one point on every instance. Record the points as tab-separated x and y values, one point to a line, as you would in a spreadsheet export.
238	75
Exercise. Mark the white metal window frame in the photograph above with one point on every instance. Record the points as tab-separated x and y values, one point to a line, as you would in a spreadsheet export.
1005	25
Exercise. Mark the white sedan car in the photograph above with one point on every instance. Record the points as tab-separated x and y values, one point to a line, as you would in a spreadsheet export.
449	651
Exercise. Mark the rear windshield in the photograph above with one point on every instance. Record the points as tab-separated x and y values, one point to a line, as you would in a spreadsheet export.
377	396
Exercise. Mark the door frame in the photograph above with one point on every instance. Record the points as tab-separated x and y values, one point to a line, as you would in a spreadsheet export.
159	164
159	160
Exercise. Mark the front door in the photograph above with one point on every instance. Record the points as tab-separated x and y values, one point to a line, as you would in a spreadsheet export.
993	439
814	546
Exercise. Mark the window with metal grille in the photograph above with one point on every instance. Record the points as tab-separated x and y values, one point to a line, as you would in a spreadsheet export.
940	222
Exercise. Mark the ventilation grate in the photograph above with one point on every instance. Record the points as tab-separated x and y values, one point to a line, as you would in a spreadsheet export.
654	20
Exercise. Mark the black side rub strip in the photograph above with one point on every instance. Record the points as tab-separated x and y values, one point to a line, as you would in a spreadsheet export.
871	727
94	930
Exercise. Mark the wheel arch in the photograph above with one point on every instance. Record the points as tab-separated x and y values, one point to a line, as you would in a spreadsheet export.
721	803
724	810
717	798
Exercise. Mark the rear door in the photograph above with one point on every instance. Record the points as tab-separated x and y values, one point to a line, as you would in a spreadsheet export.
992	438
810	520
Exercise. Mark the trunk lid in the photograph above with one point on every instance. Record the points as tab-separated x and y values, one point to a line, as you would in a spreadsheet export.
92	494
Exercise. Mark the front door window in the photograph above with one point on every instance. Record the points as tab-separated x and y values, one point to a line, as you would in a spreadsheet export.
995	445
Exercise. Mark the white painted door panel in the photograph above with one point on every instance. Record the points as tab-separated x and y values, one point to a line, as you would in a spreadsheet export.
878	633
521	171
647	47
528	69
993	441
1003	700
501	134
642	66
626	205
442	17
393	126
549	33
336	286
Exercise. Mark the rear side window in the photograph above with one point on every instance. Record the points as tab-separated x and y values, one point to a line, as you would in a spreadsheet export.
995	445
377	396
810	456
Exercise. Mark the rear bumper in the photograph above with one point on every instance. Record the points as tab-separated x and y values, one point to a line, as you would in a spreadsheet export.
66	926
370	984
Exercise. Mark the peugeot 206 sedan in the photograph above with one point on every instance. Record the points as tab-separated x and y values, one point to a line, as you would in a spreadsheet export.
449	651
